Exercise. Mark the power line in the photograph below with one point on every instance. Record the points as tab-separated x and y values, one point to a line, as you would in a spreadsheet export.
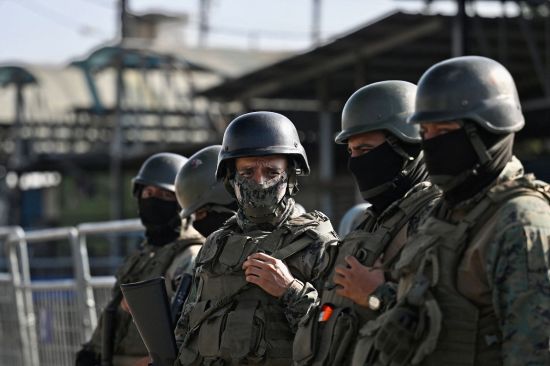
236	31
59	18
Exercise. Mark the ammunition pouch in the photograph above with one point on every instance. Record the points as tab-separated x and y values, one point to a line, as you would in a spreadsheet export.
244	336
325	343
397	338
305	341
404	335
236	333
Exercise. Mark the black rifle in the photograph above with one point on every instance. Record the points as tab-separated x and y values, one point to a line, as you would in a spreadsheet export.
148	303
180	296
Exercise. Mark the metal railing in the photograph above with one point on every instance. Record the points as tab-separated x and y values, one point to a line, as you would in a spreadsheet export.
45	322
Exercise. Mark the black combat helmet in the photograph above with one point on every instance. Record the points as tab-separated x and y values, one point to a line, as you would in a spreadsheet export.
469	88
196	183
260	134
385	105
159	170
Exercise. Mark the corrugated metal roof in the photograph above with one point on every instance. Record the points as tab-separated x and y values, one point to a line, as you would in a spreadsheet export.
396	46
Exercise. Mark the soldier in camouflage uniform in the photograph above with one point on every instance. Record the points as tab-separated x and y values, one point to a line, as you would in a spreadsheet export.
169	248
474	286
388	166
254	277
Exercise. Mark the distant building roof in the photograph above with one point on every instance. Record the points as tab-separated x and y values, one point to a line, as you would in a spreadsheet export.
395	46
232	62
69	111
399	46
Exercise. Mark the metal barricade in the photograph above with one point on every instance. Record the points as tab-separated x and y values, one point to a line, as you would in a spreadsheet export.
22	335
101	287
44	323
11	348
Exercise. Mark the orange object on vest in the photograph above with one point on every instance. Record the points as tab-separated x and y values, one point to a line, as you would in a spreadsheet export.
326	312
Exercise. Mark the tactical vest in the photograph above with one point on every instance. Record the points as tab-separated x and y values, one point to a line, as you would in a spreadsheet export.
433	324
146	264
328	342
234	322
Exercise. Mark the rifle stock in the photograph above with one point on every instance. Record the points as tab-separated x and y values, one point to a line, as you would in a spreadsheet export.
180	296
148	303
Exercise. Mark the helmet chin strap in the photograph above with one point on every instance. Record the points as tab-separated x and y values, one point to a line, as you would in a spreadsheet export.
483	154
292	185
394	143
409	163
478	145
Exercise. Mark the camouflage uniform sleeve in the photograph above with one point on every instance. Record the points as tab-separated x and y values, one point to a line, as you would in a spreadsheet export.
298	300
301	296
518	270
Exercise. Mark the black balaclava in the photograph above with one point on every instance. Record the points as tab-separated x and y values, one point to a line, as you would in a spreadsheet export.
263	206
161	220
459	168
214	219
387	172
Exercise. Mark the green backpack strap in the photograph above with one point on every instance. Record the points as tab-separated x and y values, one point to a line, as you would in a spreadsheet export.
375	242
320	231
420	196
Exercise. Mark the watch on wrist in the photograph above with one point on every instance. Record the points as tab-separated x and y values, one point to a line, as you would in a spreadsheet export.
374	302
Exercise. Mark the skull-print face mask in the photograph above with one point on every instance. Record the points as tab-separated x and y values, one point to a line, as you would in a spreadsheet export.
260	200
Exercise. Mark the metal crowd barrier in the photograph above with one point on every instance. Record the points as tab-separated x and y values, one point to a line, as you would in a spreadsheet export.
44	323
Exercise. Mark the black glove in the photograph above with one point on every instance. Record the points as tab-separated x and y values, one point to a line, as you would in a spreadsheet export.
87	357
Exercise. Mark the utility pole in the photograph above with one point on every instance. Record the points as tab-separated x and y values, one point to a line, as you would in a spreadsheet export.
116	151
16	160
204	22
316	22
460	30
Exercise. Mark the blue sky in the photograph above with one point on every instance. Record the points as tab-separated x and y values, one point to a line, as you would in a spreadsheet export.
56	31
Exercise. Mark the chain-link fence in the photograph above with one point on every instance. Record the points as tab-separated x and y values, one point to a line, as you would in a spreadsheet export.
44	322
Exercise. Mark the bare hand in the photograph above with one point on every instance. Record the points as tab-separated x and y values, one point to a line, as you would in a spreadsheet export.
271	274
145	361
124	305
357	282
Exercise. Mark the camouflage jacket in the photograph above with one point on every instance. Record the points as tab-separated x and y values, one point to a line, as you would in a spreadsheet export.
504	271
219	275
511	266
